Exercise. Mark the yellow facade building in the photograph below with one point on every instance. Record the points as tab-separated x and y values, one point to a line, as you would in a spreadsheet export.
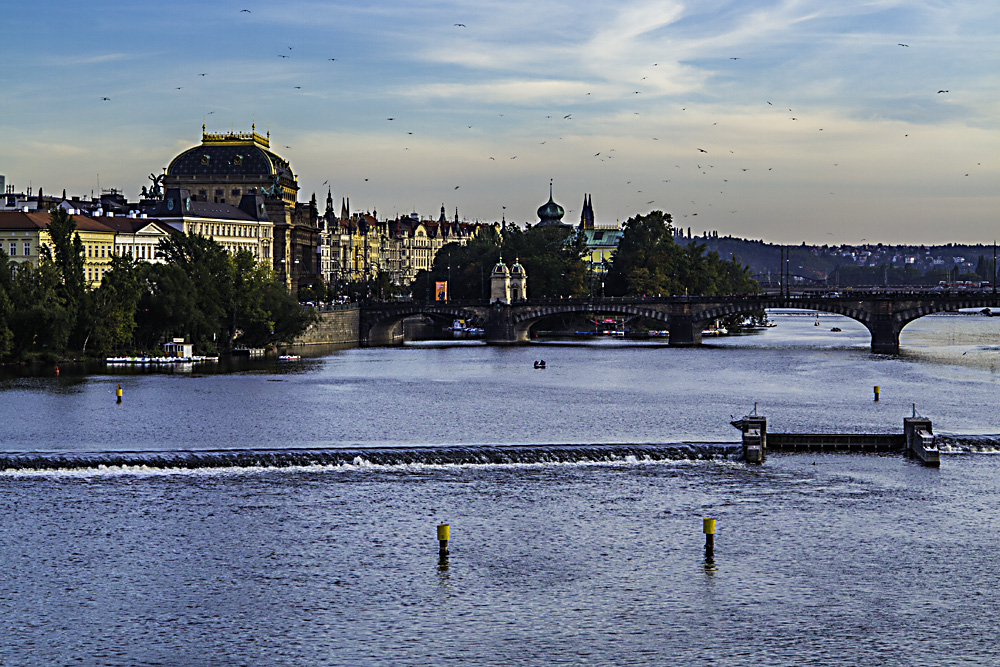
23	235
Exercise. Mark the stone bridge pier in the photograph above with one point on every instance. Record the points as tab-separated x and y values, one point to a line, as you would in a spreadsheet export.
884	328
501	327
684	330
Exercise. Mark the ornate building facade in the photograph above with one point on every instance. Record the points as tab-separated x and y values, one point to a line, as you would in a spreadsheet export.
227	166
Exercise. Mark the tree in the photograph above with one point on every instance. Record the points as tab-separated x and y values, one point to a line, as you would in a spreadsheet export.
6	307
67	253
649	262
551	256
114	306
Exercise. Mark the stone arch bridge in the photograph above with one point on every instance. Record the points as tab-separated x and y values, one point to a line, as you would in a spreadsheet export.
883	313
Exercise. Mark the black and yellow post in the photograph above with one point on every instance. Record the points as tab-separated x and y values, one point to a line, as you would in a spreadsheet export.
443	536
708	526
877	389
118	394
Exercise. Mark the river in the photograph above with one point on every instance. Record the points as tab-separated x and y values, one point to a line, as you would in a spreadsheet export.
283	513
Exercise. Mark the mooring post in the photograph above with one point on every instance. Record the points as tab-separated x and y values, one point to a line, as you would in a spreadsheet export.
708	527
876	393
754	428
443	537
919	436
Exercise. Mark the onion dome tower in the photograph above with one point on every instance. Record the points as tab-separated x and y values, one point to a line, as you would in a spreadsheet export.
550	213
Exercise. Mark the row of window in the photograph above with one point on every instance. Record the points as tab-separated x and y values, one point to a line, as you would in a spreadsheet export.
13	248
141	251
228	230
93	250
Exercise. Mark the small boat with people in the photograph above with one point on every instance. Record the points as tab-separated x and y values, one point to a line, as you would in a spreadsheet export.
289	357
540	363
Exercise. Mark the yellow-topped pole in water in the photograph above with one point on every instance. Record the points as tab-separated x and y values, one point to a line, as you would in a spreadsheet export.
443	533
708	527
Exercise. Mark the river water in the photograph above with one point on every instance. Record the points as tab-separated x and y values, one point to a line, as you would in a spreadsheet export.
283	513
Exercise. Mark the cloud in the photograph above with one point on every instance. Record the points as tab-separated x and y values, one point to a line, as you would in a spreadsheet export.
94	59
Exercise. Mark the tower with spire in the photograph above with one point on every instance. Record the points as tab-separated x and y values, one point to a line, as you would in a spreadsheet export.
587	213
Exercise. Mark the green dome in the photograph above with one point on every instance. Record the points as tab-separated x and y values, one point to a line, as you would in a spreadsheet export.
550	213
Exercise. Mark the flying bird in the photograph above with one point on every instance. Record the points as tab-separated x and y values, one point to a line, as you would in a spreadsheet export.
567	116
106	99
702	150
390	118
460	25
944	91
331	58
734	58
456	187
297	87
203	74
246	10
282	55
901	44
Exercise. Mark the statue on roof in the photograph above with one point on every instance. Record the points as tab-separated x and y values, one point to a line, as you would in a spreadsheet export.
154	191
275	190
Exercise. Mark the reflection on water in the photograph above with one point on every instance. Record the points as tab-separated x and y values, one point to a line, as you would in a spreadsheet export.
803	377
819	559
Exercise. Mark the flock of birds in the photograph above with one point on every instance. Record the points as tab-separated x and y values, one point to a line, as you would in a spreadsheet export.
608	154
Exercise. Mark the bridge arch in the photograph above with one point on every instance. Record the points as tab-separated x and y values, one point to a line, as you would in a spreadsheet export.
524	319
380	323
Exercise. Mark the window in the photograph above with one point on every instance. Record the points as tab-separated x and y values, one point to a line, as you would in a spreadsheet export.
88	251
236	192
219	192
27	248
102	251
13	249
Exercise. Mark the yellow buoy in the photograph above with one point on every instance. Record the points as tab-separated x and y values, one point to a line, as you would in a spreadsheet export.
443	530
708	526
877	389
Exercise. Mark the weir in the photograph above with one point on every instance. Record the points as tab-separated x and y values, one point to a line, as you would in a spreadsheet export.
917	440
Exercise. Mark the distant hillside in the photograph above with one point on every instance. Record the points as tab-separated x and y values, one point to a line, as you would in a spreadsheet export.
857	264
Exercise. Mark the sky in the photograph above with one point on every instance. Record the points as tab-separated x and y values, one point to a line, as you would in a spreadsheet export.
816	121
